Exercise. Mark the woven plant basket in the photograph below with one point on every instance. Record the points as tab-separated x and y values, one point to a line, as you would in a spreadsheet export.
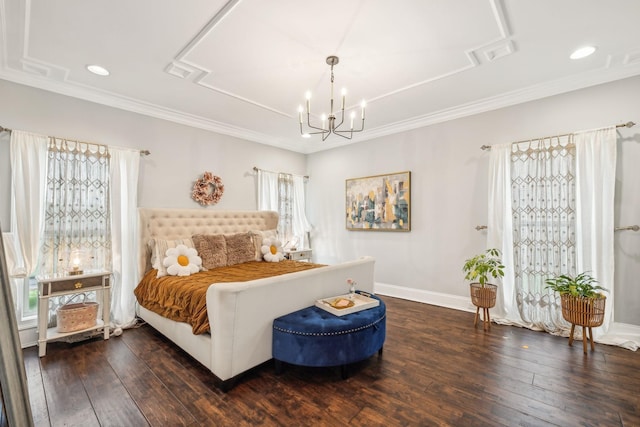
484	297
583	311
77	316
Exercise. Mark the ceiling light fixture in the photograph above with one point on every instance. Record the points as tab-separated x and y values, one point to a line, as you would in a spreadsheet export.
329	124
582	52
97	69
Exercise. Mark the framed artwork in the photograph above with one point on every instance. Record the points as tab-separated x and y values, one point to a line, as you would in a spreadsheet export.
379	202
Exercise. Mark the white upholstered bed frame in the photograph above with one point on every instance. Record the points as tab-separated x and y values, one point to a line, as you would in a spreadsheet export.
241	313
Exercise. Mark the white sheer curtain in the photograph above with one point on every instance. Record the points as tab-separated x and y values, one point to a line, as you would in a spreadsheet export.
500	230
544	226
267	191
301	225
285	208
28	176
595	192
77	212
124	171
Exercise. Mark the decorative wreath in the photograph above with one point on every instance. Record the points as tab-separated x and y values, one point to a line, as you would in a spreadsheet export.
208	189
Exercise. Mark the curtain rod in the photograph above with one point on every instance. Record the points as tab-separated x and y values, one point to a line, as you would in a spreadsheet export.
622	125
626	228
255	168
142	152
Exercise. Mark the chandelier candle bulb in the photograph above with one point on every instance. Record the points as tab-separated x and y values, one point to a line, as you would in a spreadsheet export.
300	113
364	104
353	116
308	102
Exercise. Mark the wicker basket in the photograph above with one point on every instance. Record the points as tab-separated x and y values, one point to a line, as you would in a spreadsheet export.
484	297
77	316
583	311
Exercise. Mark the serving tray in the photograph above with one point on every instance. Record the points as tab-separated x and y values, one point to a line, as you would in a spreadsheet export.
360	302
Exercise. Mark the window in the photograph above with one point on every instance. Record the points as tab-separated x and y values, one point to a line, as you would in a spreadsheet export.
284	193
77	210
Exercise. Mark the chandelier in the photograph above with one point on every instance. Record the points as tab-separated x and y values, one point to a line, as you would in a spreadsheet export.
329	123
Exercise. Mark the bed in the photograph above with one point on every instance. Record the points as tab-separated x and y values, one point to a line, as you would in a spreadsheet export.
240	314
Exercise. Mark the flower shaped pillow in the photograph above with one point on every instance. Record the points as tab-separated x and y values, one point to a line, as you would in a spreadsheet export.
182	261
272	250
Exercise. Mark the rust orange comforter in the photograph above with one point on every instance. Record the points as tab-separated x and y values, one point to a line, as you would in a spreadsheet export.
184	298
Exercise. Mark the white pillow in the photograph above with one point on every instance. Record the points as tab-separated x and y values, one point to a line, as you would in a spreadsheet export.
258	236
159	248
182	261
272	250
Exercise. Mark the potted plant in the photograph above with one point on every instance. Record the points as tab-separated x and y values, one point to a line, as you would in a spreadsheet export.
479	269
581	303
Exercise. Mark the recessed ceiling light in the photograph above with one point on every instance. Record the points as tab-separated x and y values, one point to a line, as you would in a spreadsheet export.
306	135
582	52
96	69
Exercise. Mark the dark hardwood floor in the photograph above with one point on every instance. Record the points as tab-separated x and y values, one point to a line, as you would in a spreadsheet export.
436	369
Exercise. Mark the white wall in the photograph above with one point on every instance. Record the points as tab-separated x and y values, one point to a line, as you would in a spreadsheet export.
179	154
449	192
449	174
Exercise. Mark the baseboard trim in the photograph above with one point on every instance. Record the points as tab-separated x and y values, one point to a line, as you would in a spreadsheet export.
428	297
28	337
632	332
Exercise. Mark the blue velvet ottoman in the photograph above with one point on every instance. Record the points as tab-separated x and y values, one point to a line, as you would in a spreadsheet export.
317	338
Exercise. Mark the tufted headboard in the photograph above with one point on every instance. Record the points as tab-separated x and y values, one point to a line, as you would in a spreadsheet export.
183	223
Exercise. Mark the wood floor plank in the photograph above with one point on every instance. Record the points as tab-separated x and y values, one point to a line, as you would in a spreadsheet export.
110	399
67	400
156	402
204	403
37	398
436	369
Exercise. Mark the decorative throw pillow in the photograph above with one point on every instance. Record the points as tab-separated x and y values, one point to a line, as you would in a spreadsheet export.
240	248
182	261
272	250
258	236
159	248
212	248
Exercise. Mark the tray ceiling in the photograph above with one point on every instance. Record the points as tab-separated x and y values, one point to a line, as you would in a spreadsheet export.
242	67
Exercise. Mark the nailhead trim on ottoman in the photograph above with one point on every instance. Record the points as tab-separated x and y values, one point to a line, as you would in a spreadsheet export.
315	337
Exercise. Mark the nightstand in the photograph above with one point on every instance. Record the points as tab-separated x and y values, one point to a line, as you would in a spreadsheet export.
299	255
55	286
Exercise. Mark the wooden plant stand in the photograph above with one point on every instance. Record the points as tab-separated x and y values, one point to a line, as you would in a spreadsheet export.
585	312
485	298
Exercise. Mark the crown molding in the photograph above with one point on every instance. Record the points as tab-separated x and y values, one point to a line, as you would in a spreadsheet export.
630	68
531	93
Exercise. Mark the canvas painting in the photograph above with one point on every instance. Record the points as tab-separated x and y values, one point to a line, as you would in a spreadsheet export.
380	202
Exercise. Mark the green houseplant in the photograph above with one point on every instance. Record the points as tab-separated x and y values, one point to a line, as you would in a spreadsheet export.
582	285
479	269
481	266
581	303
